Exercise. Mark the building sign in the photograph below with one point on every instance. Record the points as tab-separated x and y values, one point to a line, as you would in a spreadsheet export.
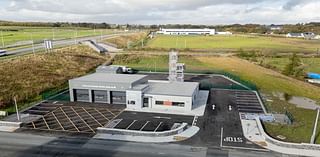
167	103
104	87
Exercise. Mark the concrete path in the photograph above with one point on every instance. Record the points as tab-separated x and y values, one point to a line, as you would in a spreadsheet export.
161	139
253	133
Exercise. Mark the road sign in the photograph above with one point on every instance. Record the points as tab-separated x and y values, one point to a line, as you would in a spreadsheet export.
48	45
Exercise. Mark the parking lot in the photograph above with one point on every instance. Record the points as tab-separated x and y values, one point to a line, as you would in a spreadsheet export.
143	121
221	126
71	118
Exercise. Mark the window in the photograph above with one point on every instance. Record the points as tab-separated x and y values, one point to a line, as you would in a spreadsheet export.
180	104
131	102
159	102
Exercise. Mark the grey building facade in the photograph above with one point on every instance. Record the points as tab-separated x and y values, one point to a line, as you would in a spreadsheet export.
103	87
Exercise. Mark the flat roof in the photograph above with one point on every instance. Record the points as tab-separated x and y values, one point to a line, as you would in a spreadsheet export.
110	78
172	88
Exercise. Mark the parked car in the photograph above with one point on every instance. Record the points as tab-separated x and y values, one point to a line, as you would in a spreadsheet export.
3	53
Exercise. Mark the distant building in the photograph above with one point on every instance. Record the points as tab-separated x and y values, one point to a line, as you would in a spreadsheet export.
224	33
204	31
275	27
295	35
306	35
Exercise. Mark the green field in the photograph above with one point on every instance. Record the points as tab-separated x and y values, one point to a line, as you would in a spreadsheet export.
235	42
22	35
268	81
310	64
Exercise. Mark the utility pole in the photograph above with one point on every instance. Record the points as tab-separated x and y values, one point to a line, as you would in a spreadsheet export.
2	39
142	43
16	106
52	33
75	36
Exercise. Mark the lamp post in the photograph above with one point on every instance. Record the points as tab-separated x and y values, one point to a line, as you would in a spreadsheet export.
2	39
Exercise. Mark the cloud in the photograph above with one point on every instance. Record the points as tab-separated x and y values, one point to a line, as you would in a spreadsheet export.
163	11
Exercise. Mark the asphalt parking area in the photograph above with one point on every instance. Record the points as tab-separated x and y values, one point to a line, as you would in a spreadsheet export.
221	126
153	122
74	119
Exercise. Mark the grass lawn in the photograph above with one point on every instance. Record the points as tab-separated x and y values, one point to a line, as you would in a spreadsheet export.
311	64
16	35
28	76
235	42
267	80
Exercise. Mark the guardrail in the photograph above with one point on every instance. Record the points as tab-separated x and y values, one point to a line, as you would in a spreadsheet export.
142	133
10	124
268	139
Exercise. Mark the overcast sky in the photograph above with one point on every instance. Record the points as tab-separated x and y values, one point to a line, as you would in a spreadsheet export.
163	11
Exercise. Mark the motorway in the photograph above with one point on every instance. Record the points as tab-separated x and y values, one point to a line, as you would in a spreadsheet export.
29	145
59	43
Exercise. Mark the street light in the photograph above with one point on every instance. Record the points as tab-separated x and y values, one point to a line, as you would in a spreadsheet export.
32	42
2	39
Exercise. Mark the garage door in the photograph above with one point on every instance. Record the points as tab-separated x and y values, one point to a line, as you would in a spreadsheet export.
118	97
100	96
81	95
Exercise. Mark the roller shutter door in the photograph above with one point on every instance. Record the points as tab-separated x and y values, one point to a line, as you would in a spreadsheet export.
118	97
100	96
81	95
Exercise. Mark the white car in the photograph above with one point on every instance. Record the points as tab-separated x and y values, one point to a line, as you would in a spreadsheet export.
3	52
230	107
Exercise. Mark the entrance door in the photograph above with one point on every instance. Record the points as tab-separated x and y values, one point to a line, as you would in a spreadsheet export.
145	102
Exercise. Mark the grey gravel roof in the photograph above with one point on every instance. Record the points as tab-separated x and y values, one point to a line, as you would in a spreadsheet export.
172	88
107	78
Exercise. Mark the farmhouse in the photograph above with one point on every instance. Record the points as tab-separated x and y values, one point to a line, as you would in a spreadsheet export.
205	31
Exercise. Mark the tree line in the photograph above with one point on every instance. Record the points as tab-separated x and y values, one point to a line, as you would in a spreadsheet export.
237	28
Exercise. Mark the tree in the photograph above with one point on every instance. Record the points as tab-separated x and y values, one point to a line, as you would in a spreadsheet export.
295	67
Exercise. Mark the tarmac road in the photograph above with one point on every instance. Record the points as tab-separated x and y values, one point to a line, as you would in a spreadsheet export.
59	43
29	145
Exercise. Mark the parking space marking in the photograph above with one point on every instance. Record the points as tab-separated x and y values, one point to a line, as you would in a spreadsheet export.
102	114
46	123
82	119
69	119
158	126
33	125
131	124
57	120
110	112
144	125
91	116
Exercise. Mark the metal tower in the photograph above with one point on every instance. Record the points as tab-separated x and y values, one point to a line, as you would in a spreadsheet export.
176	70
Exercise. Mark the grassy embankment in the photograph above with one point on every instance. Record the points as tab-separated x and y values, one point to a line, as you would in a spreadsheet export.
267	80
123	41
234	43
28	76
310	64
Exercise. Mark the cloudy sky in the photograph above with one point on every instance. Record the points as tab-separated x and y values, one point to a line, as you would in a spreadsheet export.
163	11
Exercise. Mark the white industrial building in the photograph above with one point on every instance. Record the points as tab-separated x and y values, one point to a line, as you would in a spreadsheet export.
204	31
136	92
